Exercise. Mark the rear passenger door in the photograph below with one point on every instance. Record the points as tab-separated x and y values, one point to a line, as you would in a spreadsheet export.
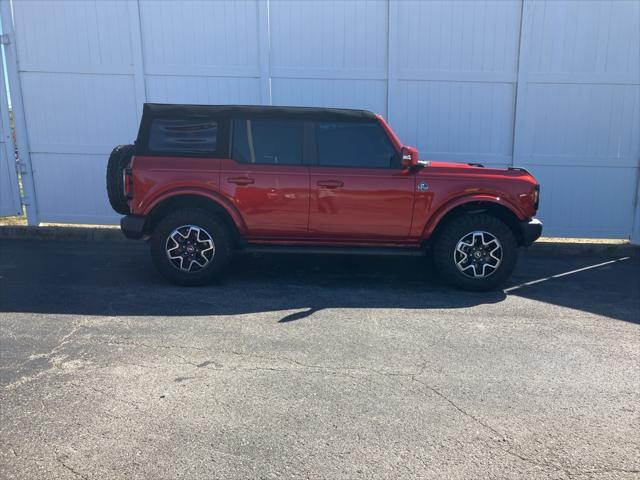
358	189
266	177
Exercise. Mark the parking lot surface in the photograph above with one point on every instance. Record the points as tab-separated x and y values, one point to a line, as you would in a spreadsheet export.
315	367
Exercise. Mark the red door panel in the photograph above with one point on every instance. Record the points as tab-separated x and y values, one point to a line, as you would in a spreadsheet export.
360	203
272	199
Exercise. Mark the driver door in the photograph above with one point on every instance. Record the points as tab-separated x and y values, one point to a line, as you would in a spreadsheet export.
358	189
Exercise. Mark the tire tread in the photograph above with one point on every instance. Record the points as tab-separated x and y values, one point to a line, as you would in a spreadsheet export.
118	160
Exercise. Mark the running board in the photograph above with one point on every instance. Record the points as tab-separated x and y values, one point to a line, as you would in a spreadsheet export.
411	251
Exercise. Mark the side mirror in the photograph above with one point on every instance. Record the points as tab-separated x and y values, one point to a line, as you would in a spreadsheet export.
409	157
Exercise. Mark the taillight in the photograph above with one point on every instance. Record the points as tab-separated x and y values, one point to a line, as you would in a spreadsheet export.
127	182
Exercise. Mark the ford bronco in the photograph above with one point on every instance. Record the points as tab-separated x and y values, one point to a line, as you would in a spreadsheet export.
202	182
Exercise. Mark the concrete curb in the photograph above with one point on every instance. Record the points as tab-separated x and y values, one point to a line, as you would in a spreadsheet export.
106	234
22	232
567	248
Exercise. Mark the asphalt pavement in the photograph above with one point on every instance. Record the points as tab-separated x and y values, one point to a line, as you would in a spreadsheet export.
315	367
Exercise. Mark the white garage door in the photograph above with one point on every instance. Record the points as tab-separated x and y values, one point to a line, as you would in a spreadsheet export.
552	86
578	113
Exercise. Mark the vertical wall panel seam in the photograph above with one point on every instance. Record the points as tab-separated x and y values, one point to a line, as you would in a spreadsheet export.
19	120
392	71
518	103
388	55
135	23
264	51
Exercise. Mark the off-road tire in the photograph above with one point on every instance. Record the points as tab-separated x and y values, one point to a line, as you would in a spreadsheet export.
202	219
453	231
118	161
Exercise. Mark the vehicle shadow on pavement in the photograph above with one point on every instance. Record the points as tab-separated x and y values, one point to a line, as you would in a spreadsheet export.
63	277
601	284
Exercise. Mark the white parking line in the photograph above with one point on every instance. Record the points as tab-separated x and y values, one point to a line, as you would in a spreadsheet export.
540	280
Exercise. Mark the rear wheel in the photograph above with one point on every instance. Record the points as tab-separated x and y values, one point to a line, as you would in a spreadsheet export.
118	161
475	252
191	247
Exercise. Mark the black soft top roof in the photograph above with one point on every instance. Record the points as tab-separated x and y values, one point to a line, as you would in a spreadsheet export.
255	111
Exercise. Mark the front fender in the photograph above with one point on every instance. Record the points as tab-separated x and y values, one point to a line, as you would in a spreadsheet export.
446	208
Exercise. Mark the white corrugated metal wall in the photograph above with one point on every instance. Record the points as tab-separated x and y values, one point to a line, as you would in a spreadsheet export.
552	86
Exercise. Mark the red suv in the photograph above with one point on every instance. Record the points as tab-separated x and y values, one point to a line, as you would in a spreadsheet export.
202	182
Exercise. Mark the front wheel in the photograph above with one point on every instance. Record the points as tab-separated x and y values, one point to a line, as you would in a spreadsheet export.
191	247
475	252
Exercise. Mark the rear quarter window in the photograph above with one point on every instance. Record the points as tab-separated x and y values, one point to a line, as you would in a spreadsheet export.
268	141
183	136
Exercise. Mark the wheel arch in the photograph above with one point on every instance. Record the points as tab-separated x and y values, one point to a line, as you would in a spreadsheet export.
488	205
229	216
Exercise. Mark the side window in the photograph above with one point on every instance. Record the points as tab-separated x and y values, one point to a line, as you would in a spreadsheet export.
267	141
196	135
354	144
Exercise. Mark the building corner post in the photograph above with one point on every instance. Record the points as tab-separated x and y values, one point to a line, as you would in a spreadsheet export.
19	121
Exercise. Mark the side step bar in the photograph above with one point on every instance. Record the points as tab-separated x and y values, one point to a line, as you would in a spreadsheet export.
411	251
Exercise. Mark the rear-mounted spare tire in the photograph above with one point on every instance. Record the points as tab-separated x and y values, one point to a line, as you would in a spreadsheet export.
118	161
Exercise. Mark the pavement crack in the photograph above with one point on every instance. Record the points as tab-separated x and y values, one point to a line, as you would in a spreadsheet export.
324	368
66	339
154	346
11	448
59	459
460	409
201	364
207	363
545	465
502	440
63	342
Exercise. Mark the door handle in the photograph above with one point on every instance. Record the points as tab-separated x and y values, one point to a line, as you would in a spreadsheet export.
241	180
330	183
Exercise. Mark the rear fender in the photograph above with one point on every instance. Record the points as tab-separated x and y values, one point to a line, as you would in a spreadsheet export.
217	198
